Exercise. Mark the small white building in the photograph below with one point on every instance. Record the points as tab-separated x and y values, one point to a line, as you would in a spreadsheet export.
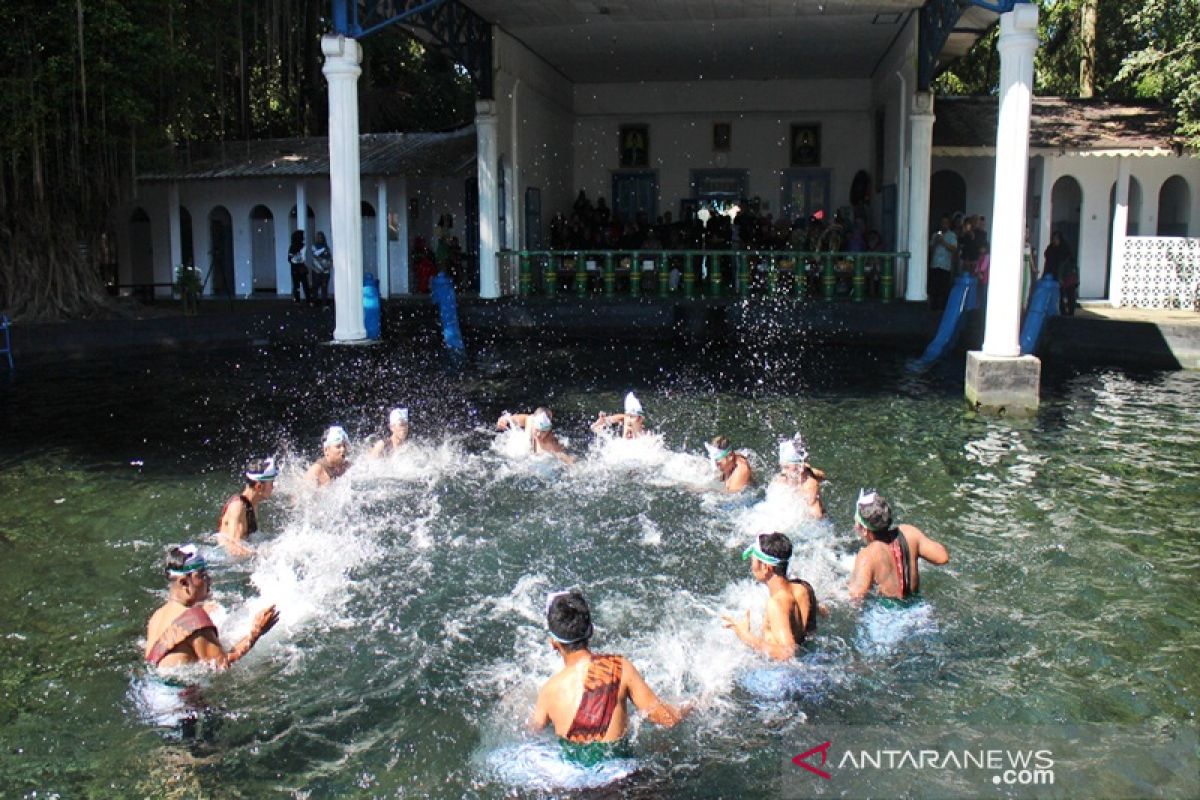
1081	154
237	207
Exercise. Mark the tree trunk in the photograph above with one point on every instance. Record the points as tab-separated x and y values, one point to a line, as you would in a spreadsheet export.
1087	48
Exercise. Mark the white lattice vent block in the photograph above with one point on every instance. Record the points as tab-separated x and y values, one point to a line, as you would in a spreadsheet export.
1161	272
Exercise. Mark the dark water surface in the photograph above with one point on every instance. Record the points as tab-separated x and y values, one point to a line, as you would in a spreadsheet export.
410	647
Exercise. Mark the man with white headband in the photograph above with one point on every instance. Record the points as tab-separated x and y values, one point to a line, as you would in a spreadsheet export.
796	474
734	467
632	422
239	518
333	464
585	701
398	430
792	607
889	559
539	425
181	632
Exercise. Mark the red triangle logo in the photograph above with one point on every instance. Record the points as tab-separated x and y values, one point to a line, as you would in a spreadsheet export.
802	762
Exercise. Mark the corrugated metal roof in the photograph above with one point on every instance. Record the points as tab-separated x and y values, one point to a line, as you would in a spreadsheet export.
449	154
1057	123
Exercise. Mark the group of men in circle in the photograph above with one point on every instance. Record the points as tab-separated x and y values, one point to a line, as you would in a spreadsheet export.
587	700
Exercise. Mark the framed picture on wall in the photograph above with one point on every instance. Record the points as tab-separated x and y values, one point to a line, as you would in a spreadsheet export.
806	145
722	137
635	145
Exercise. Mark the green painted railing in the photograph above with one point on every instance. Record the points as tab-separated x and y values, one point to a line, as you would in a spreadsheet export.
783	273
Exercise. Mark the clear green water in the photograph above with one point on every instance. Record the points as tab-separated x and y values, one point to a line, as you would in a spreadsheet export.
411	649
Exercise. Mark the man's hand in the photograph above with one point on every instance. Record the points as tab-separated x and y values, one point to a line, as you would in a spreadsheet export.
739	626
264	621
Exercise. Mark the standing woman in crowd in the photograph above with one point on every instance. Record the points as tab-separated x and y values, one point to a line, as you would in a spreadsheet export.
322	266
298	267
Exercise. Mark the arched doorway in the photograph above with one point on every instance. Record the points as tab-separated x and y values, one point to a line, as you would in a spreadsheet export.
947	195
220	232
1066	202
186	247
262	249
1174	207
141	248
370	240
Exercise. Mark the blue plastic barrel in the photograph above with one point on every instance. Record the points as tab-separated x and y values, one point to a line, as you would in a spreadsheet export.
371	311
443	298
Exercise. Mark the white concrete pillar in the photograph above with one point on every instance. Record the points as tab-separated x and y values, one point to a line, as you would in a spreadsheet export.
399	261
174	239
486	164
1116	283
342	59
302	209
1017	45
921	126
381	238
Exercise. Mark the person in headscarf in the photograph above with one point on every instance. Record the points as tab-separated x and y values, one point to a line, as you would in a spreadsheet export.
734	467
888	561
181	632
797	474
632	421
333	463
238	520
539	426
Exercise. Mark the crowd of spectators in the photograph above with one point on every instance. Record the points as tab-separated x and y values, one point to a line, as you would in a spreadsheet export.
594	227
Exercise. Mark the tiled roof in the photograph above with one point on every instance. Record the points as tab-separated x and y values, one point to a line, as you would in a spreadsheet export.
1057	123
411	154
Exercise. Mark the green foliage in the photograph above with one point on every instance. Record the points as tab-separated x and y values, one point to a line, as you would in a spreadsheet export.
99	90
1145	50
1166	66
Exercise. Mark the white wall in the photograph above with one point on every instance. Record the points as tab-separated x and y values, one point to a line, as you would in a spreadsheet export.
1096	175
240	196
534	127
680	118
892	89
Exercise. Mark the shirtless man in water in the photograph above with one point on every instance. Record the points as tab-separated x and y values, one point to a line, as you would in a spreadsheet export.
397	434
181	632
792	606
632	422
586	699
801	477
539	426
333	464
734	468
239	517
889	559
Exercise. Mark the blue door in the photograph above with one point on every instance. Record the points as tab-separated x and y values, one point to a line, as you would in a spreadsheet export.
635	192
805	192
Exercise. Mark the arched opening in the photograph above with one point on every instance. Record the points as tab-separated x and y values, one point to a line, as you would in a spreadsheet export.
141	248
262	249
947	195
1174	207
1066	202
186	243
370	240
220	231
